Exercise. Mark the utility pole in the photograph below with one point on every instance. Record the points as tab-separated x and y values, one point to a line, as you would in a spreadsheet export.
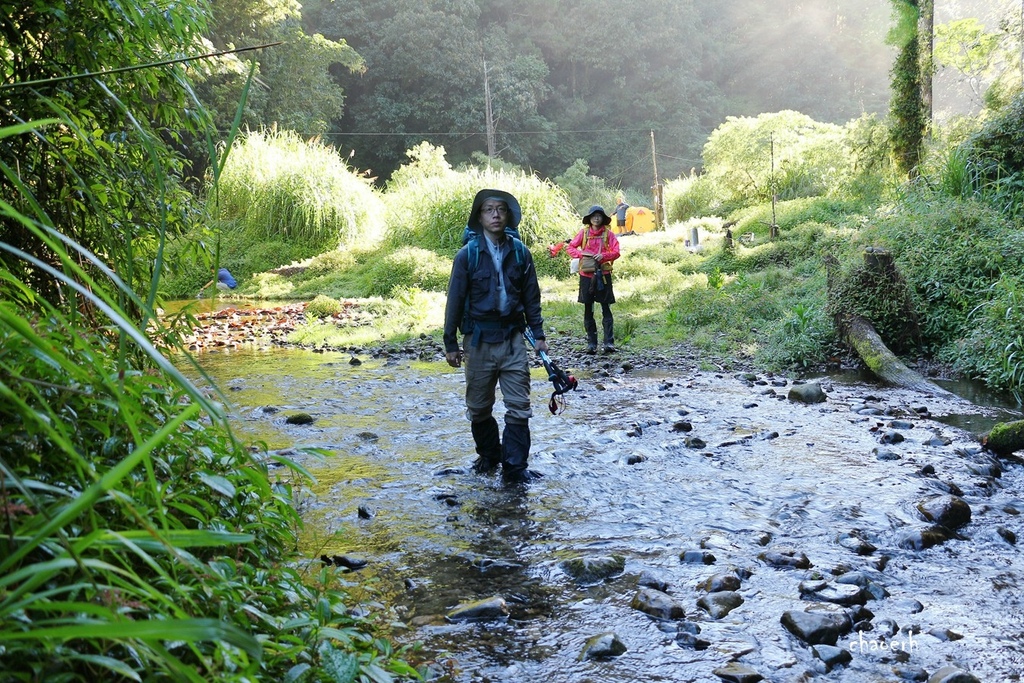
659	221
489	114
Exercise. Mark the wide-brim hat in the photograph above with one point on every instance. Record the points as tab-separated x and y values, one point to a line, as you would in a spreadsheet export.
515	213
605	218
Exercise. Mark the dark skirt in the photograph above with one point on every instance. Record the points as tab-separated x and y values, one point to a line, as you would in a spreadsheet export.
602	295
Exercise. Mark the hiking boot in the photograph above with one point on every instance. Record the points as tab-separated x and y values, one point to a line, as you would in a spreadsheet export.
515	448
488	445
524	477
610	348
484	465
591	349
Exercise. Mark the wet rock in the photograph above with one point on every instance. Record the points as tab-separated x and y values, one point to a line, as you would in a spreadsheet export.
480	610
299	419
900	424
921	539
832	656
807	393
697	557
346	561
945	486
910	673
873	589
691	641
725	581
366	512
818	627
951	512
694	442
602	646
836	593
1007	535
785	558
657	604
854	541
734	672
938	442
649	579
891	437
885	454
945	635
682	426
367	436
951	674
592	570
719	604
635	459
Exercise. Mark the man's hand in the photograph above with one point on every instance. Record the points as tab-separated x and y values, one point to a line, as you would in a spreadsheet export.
454	358
541	345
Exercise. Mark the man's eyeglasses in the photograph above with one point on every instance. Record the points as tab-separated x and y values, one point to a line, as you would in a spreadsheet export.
499	210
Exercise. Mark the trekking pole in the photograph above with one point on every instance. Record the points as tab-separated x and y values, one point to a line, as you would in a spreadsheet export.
560	379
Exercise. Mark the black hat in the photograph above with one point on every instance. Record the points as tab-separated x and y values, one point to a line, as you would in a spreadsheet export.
605	218
515	214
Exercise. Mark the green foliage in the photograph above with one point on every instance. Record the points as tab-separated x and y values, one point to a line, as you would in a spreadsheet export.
278	186
144	541
996	152
906	106
747	160
405	268
800	340
429	204
323	307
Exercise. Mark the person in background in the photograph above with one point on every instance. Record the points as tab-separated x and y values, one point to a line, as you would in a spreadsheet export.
597	247
493	295
620	213
224	281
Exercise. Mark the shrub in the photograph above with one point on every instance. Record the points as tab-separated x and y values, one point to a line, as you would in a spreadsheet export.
323	307
276	186
406	268
429	209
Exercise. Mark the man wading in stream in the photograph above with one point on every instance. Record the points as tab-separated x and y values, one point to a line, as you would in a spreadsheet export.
492	296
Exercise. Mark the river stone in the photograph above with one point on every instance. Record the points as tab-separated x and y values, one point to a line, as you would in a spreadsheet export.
816	628
951	512
874	590
602	646
591	570
901	424
480	610
657	604
726	581
922	539
682	426
855	541
951	674
832	656
697	557
785	557
885	454
1007	535
836	593
299	419
910	673
719	604
807	393
891	436
735	672
691	641
649	579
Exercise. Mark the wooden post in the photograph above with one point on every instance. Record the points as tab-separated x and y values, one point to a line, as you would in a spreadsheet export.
659	221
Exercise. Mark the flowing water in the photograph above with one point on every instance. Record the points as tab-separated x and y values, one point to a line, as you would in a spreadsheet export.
623	476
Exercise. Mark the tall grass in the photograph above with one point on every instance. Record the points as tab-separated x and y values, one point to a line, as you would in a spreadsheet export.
276	185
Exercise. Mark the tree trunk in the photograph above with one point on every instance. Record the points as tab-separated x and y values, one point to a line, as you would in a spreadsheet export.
926	34
862	336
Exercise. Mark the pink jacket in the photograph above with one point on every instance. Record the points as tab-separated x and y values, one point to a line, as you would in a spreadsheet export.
600	241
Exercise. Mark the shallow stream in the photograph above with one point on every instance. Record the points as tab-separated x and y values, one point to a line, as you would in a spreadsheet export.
626	474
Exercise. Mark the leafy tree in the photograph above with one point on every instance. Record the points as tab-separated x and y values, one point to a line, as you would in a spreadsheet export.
296	89
906	107
84	175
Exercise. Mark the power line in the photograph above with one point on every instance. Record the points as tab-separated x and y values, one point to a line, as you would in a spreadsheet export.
136	67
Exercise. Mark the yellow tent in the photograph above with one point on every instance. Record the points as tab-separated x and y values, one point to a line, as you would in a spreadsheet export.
639	219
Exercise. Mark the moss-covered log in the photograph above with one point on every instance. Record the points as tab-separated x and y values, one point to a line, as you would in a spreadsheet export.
1006	437
861	335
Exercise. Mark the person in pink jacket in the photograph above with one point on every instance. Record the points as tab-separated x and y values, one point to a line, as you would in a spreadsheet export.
596	246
